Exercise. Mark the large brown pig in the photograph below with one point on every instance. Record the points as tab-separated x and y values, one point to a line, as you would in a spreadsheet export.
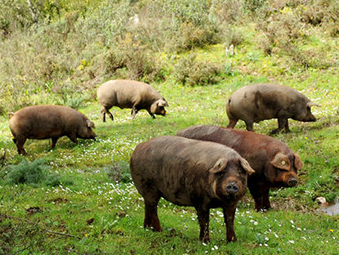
257	102
274	163
49	121
188	172
130	94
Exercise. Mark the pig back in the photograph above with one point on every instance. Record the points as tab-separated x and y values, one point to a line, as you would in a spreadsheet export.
257	149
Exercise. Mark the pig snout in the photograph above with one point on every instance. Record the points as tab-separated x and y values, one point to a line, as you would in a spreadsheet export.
93	136
292	182
232	188
313	118
310	118
89	134
162	111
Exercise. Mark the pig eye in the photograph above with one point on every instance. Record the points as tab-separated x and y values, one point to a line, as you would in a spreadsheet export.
220	173
243	170
281	169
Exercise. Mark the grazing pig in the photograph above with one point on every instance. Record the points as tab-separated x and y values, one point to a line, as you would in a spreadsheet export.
130	94
258	102
274	163
49	121
188	172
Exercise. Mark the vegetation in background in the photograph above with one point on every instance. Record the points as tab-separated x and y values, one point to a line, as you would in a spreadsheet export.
196	53
48	47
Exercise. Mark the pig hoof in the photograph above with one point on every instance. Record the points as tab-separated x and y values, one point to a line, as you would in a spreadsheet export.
232	239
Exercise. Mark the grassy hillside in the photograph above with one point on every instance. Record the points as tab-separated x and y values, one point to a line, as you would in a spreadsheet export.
80	199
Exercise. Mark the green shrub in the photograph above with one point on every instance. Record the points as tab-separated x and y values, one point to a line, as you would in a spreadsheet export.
33	173
233	37
226	12
253	5
189	36
324	13
190	72
177	26
119	172
14	16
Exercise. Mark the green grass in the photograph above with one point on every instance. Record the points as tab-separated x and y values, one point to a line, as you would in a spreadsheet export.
96	208
295	225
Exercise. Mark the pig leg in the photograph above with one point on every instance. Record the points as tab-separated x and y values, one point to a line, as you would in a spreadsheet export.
249	125
54	141
287	129
134	111
151	214
150	113
282	123
232	123
260	194
104	110
203	217
20	141
229	213
103	113
73	138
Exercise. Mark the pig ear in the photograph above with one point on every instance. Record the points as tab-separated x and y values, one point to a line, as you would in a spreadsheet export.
298	164
219	166
162	102
281	161
90	124
246	166
310	104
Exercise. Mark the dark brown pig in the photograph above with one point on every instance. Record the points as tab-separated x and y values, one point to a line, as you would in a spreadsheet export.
188	172
258	102
274	163
130	94
49	121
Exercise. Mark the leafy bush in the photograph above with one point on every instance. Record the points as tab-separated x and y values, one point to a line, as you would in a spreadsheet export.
119	172
282	27
189	36
227	12
32	173
177	26
190	72
133	61
233	37
323	13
